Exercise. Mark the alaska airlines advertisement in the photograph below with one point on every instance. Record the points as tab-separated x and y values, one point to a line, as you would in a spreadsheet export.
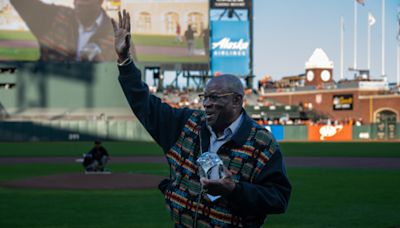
230	48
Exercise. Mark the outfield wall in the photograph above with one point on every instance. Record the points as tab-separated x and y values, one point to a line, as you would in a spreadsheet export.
83	130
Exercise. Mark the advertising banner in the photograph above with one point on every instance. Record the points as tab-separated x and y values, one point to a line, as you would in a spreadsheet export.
277	131
229	3
330	133
230	48
342	102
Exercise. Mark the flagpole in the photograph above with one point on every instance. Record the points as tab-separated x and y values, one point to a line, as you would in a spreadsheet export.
369	47
369	44
341	46
398	48
383	40
398	63
355	35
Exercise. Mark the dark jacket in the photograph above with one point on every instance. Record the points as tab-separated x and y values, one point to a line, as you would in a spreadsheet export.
269	193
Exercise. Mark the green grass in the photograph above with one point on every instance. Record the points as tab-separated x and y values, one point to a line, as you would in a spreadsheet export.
26	54
342	198
29	54
147	40
167	41
59	208
10	172
347	149
172	59
321	198
344	149
163	41
21	171
16	35
39	208
41	149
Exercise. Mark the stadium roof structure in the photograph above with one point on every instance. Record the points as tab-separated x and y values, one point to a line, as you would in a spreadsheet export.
274	111
88	114
319	59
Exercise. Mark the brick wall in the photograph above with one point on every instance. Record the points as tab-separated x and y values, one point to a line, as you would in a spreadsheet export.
366	103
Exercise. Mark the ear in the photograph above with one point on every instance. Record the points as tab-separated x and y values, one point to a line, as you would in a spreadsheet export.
238	100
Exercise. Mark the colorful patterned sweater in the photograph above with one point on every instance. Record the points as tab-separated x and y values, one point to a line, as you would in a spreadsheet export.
252	156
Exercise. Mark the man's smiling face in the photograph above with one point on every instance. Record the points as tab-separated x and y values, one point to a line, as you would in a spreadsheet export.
222	105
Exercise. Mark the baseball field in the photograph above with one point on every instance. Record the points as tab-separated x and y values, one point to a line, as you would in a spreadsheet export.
334	185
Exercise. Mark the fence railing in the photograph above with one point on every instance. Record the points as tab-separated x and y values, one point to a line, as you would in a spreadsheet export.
132	130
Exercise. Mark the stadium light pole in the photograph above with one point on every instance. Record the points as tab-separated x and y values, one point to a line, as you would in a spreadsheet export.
383	41
341	47
371	22
355	36
398	48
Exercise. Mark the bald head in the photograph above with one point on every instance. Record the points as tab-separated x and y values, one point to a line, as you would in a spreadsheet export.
228	83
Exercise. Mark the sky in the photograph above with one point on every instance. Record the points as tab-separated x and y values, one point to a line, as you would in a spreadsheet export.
286	33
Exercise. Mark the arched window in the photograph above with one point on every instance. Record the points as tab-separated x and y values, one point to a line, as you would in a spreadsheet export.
197	21
171	22
386	124
386	115
144	22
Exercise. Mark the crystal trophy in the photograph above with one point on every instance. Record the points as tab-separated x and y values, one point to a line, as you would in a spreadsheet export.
210	166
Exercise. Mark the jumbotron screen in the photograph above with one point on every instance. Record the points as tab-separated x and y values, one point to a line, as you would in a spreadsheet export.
230	42
164	31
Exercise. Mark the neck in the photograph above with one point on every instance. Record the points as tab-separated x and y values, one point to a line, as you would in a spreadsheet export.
89	24
219	131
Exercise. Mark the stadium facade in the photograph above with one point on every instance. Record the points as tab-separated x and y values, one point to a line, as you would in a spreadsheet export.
361	99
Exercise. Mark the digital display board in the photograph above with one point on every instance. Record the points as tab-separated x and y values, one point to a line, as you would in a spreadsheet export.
164	31
343	102
229	3
230	48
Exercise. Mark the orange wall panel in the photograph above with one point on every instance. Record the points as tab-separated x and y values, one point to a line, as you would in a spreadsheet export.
330	133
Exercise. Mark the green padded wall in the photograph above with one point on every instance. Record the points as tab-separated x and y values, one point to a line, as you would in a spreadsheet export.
295	133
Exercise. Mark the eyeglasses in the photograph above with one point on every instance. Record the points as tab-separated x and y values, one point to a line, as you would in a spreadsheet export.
213	97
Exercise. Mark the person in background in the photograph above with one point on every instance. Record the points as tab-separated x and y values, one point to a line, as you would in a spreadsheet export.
96	159
189	37
178	37
82	33
205	33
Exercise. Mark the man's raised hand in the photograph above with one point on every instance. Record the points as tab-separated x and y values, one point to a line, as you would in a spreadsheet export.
122	35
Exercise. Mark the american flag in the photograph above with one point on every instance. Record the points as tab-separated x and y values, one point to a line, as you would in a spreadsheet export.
371	19
361	2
